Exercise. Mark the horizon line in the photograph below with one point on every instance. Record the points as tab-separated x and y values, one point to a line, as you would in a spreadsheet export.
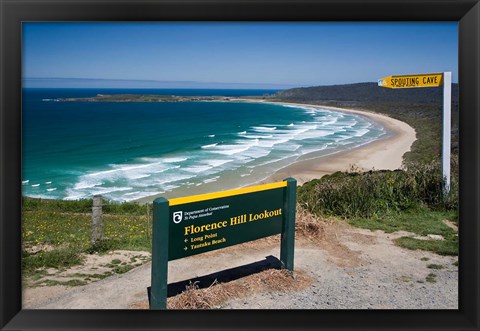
36	82
46	80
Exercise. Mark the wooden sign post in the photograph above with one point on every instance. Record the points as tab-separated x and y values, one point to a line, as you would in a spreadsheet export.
431	80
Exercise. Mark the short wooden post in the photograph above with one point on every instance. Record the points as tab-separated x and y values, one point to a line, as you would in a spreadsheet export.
97	225
148	220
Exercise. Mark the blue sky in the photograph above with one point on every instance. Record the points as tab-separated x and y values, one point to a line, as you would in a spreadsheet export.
267	55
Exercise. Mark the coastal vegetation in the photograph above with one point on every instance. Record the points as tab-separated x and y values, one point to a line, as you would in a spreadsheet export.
373	193
408	200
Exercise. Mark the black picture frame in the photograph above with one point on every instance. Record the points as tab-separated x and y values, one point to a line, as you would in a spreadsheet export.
13	12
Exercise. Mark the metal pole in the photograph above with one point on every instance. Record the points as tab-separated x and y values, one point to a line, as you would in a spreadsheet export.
158	292
287	240
447	128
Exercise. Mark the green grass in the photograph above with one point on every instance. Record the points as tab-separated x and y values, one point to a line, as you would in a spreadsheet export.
435	266
425	258
441	247
421	222
44	223
72	282
123	268
97	276
55	228
66	227
38	274
80	206
431	278
59	258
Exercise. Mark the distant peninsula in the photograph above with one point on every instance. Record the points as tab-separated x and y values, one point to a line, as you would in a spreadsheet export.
142	98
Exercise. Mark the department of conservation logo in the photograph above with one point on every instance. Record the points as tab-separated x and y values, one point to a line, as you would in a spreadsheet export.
177	217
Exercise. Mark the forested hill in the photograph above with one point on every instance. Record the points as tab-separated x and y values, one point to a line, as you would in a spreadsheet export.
419	107
366	92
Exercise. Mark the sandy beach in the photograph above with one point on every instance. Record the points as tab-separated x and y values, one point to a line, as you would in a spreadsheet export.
384	153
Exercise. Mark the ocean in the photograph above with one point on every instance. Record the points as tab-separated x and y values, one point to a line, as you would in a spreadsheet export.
131	150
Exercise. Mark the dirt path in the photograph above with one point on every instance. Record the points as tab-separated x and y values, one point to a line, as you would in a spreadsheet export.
349	268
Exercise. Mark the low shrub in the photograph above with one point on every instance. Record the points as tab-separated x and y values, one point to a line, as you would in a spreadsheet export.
374	193
59	258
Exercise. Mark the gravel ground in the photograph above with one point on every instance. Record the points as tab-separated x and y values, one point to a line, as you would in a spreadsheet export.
361	269
357	288
351	268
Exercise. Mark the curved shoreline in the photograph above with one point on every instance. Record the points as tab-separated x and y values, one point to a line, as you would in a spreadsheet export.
383	153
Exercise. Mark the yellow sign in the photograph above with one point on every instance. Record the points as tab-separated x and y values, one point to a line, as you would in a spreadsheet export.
223	194
410	81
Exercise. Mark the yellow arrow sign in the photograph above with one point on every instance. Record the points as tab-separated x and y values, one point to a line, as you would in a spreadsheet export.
411	81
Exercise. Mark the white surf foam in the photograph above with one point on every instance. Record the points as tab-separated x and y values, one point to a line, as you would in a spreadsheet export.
210	180
119	169
361	132
275	160
209	146
105	190
163	170
268	143
217	163
132	193
197	169
138	176
174	159
313	135
289	147
86	182
253	136
164	179
139	195
263	128
242	146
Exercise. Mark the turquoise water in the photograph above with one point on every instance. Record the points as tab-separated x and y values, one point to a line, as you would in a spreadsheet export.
126	151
